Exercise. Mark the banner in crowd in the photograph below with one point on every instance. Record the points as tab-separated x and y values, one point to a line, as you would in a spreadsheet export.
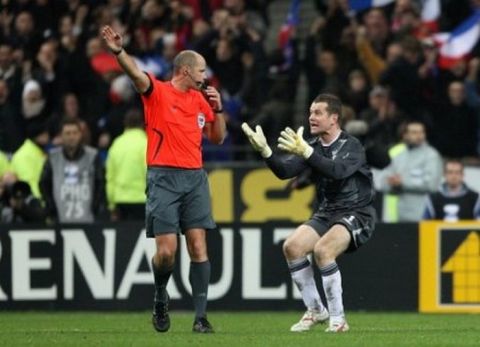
456	45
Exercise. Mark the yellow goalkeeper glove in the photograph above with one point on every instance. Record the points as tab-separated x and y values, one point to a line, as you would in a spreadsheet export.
294	143
257	139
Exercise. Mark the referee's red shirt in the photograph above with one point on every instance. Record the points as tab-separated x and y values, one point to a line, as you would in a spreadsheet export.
174	124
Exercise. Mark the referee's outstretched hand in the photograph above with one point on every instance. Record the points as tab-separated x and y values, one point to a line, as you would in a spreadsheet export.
113	39
257	139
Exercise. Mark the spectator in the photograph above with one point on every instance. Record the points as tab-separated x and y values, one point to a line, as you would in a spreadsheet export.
10	73
227	66
408	21
244	17
403	79
275	114
70	108
322	71
22	206
384	120
24	35
11	125
377	101
28	160
49	71
203	9
73	179
33	102
373	62
413	173
335	21
123	98
455	125
98	71
455	200
126	170
377	30
357	92
255	77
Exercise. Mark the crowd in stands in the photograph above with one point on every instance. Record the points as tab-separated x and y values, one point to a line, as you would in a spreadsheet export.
382	62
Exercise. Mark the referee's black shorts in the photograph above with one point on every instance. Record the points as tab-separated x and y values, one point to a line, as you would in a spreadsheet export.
359	222
177	200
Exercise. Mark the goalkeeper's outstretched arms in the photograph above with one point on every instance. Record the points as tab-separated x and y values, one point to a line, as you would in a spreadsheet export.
350	157
283	166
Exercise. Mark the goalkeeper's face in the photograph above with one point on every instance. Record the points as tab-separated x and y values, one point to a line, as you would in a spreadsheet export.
321	122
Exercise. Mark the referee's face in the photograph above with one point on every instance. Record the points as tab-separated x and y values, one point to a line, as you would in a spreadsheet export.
321	122
199	71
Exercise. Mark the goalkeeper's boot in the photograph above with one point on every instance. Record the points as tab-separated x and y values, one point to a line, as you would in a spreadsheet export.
337	326
310	319
160	317
202	325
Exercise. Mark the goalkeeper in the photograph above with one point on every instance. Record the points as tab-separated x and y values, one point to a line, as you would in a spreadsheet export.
345	218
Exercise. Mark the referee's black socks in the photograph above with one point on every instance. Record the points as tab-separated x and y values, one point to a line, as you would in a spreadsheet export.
199	278
161	277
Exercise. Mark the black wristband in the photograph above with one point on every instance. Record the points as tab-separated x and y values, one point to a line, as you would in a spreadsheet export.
218	111
117	52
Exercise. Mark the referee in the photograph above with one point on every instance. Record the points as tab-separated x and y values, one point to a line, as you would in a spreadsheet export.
177	112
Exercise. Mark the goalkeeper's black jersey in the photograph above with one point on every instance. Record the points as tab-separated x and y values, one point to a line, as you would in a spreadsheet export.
340	172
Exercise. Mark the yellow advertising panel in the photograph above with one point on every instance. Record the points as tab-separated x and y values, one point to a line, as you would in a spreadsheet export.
449	260
255	195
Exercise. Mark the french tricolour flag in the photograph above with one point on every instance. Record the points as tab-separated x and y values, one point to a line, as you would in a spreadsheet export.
285	34
290	23
360	5
456	45
430	14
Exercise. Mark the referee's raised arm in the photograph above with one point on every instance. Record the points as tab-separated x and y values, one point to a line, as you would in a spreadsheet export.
114	42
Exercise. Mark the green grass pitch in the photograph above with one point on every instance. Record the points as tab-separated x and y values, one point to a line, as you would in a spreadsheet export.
234	329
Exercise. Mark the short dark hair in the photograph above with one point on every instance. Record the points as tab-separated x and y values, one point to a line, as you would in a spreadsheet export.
185	58
452	161
133	119
70	121
414	121
334	104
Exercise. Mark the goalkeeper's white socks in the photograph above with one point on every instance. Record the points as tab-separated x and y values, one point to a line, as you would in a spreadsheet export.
302	275
332	285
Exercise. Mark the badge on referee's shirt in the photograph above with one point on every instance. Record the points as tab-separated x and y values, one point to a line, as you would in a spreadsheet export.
201	120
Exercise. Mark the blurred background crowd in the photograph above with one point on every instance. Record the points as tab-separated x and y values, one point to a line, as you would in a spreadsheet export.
268	58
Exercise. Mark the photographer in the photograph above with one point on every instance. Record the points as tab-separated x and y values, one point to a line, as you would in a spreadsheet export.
22	206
